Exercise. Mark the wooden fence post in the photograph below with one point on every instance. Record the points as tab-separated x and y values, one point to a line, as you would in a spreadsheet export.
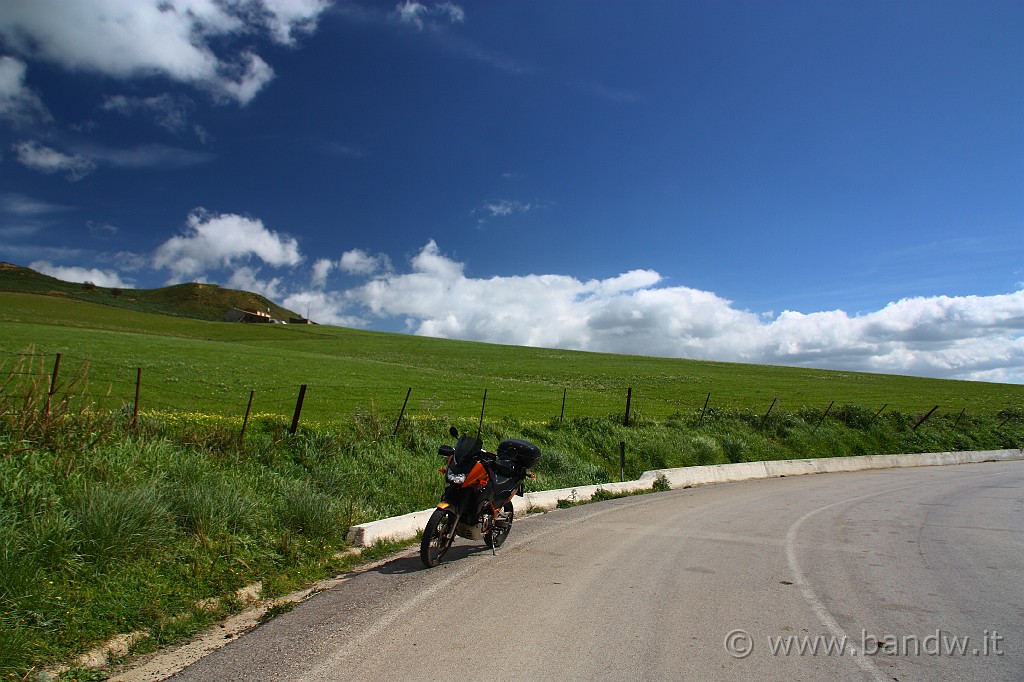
765	417
135	412
53	386
560	416
870	421
922	419
483	406
701	420
400	414
823	415
958	417
298	409
245	422
629	398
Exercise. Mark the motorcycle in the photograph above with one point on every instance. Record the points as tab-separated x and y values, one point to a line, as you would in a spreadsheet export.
477	500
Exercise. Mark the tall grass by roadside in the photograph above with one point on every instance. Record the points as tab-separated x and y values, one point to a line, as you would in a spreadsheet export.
107	529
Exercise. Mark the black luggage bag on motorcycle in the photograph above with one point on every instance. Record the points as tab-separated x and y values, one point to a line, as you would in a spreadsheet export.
521	452
514	457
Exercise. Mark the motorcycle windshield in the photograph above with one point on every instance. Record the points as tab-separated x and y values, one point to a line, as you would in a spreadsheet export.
465	457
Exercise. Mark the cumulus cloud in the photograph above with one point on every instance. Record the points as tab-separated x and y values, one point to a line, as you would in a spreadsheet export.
39	157
213	241
321	269
355	262
19	104
968	337
323	307
102	278
183	40
359	262
247	279
285	19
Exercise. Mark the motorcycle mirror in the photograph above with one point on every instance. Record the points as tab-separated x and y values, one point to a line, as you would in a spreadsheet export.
454	431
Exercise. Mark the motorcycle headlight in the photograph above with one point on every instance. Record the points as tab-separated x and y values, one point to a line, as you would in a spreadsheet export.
457	478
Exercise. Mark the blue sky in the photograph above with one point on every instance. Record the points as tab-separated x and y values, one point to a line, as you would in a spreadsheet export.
825	183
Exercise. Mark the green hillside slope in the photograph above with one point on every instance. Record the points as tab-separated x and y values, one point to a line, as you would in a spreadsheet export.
199	301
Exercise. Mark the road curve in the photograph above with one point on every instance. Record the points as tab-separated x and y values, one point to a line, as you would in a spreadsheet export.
901	574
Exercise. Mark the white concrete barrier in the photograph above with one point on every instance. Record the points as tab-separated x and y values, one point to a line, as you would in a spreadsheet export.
408	525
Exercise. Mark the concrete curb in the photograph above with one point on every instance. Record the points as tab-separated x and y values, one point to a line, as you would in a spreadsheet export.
408	525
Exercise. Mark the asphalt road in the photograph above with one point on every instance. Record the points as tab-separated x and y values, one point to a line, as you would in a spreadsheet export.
915	574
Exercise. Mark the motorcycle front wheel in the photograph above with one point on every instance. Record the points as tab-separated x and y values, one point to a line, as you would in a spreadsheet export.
502	525
437	537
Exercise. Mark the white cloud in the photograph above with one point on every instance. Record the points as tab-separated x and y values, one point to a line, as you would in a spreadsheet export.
188	41
245	78
323	308
213	241
285	18
321	269
355	262
170	112
968	337
455	14
102	278
19	230
44	159
502	208
22	216
419	15
19	104
101	229
21	205
247	279
359	262
144	156
85	158
430	261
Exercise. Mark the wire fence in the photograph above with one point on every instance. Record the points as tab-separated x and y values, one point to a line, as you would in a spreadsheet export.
107	385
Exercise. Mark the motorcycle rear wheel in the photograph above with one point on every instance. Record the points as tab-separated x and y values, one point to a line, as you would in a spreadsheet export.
502	525
437	537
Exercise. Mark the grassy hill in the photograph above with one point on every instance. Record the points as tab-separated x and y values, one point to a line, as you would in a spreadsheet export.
199	301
